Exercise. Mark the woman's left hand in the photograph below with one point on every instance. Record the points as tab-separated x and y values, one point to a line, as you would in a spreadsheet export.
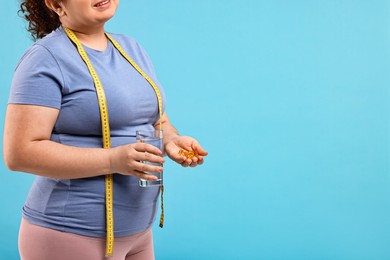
187	144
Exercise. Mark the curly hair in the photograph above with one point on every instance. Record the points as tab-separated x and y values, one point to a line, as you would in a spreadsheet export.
41	20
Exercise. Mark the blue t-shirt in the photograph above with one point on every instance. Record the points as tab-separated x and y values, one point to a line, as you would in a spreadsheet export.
51	73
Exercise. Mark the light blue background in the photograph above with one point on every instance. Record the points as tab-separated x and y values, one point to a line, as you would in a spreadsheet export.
292	101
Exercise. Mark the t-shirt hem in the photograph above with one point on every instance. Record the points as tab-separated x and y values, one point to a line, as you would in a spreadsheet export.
89	233
35	103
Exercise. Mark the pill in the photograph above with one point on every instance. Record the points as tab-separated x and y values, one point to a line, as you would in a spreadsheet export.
188	154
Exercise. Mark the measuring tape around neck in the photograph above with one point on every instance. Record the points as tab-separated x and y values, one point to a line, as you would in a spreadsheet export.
159	100
106	129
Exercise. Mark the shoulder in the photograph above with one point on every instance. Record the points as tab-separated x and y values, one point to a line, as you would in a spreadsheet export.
47	50
37	56
56	42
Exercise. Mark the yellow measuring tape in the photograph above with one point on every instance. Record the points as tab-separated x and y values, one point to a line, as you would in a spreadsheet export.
106	129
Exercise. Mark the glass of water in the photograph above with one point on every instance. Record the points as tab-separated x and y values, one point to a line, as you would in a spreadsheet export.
155	138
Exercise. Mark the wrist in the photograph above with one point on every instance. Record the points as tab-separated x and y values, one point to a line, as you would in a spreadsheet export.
168	137
110	160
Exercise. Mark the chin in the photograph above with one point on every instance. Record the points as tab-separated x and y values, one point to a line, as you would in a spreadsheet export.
106	17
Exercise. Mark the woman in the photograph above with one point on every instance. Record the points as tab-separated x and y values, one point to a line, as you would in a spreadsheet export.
53	129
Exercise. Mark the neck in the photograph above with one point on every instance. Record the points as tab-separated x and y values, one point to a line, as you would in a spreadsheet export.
92	38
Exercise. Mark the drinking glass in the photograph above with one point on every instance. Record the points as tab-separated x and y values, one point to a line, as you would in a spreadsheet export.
155	138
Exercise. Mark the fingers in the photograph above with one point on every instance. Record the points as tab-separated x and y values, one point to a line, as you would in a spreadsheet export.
144	147
137	160
200	150
147	167
191	161
195	161
148	153
196	147
145	176
148	157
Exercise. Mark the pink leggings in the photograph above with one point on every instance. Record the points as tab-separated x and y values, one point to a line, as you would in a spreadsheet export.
39	243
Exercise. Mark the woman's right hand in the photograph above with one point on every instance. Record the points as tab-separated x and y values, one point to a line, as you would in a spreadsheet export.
126	160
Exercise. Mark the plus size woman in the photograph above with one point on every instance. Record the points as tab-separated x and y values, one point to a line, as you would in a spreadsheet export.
53	129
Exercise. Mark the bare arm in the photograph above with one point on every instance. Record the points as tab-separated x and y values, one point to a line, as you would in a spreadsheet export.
28	148
169	131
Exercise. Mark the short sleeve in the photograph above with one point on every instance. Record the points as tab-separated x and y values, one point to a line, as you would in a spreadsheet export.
37	79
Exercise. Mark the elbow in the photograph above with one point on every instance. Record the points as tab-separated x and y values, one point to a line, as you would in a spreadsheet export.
12	160
11	164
